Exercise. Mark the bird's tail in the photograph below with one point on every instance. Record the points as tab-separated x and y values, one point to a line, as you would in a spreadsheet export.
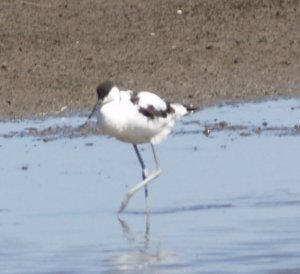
183	109
190	108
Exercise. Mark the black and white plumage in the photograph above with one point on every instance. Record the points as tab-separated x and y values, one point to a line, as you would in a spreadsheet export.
136	118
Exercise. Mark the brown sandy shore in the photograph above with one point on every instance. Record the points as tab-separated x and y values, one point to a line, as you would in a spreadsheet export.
55	52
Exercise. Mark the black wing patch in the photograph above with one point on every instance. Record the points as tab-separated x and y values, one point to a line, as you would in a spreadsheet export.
151	112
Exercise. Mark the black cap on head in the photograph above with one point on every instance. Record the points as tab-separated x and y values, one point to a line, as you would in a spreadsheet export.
104	88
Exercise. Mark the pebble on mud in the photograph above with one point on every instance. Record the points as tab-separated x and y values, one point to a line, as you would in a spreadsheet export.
223	124
206	131
297	127
24	167
89	144
245	134
258	130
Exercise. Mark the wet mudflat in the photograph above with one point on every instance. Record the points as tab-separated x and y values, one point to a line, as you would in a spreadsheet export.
228	199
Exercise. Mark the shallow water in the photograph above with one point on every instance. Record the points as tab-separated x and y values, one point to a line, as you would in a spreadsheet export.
228	200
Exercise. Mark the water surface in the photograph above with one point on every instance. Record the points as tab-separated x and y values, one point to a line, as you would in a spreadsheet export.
227	201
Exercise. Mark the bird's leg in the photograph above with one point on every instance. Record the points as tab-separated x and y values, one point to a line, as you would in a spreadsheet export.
154	174
144	173
155	158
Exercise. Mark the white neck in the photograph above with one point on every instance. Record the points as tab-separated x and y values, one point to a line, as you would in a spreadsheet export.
113	95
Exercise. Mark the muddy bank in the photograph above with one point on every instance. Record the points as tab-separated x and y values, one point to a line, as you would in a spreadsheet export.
54	53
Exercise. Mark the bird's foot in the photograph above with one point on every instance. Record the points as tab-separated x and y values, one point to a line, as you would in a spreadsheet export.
125	202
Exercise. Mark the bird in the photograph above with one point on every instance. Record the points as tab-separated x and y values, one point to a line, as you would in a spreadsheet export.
137	118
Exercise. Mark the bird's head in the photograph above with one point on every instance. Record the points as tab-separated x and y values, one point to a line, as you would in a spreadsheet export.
106	91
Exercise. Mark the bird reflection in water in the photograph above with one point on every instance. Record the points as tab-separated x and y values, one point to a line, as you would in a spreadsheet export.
139	257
